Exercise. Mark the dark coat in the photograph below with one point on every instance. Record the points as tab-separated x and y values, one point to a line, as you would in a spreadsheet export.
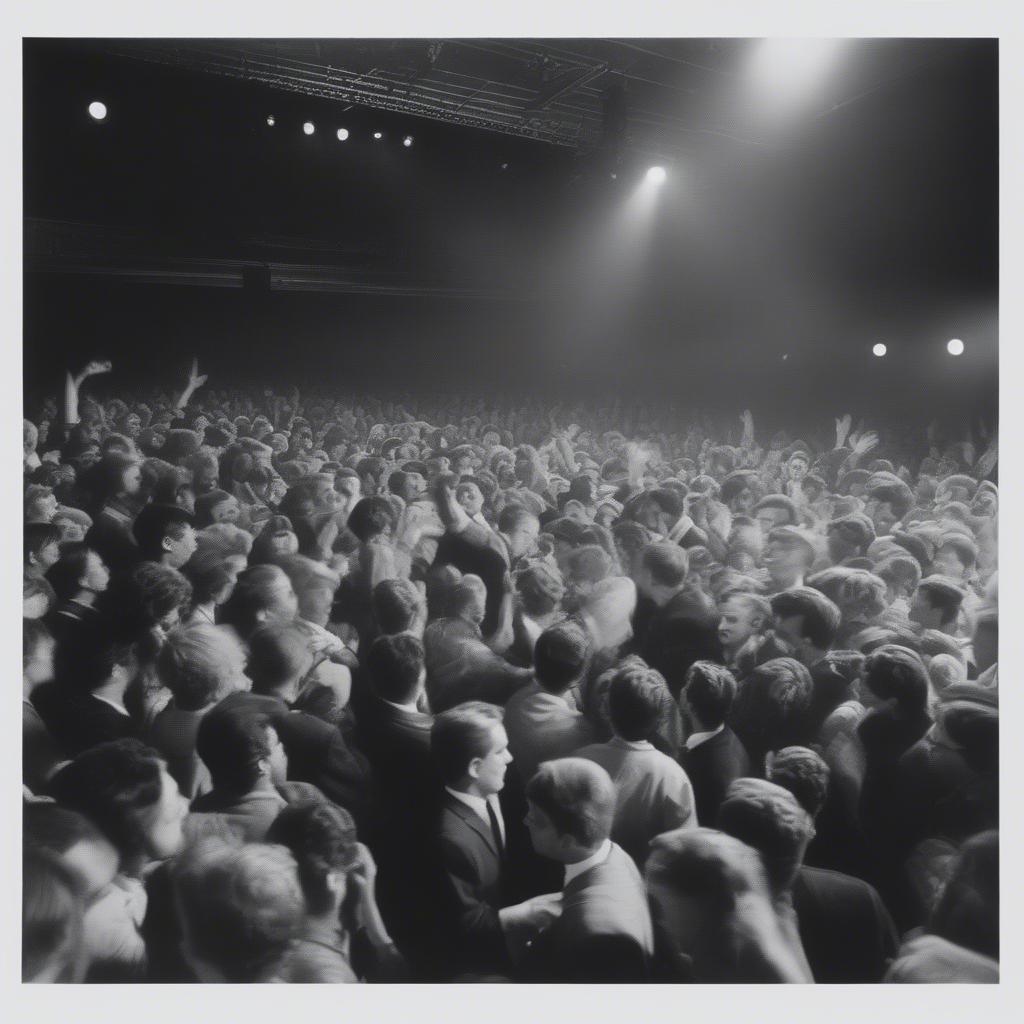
685	630
78	721
711	767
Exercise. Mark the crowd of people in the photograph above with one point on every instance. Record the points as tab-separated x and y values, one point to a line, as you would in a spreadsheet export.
338	689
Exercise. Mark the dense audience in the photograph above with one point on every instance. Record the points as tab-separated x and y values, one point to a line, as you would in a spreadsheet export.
319	689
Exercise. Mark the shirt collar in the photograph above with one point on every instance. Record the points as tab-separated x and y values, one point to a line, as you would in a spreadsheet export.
475	803
413	707
702	737
575	870
618	741
683	526
113	703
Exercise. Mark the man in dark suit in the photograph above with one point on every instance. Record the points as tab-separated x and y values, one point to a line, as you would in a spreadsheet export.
713	755
84	705
604	932
684	627
477	848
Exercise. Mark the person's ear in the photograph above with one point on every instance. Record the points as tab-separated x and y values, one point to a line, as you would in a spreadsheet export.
166	543
473	771
263	764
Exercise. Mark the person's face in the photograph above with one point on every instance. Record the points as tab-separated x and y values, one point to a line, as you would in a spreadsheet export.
316	604
131	480
277	759
95	862
882	515
45	509
96	576
922	613
562	550
797	469
205	479
523	540
488	772
35	607
286	543
947	563
415	485
783	560
48	556
471	498
132	426
179	550
742	503
227	511
576	593
544	837
738	624
70	531
163	823
838	547
39	668
769	518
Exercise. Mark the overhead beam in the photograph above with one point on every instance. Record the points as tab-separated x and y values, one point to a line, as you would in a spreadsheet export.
566	84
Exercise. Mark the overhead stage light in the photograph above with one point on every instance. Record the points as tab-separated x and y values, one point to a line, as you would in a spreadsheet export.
407	141
955	347
656	175
98	110
308	128
378	136
271	121
342	134
504	167
879	349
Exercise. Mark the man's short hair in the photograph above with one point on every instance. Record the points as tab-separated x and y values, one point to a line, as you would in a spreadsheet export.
577	796
278	651
792	537
758	604
779	501
589	564
55	828
768	818
395	604
772	707
114	785
964	547
710	690
157	522
371	517
466	595
88	663
630	535
514	517
897	494
635	701
804	773
38	536
195	664
944	594
460	735
395	664
821	618
896	673
560	656
242	906
856	529
738	481
667	563
900	572
231	741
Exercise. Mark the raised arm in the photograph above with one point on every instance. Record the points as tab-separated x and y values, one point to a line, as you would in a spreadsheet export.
195	381
73	385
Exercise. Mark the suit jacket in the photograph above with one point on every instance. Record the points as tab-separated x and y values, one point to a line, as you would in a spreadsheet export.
604	933
474	886
78	721
846	930
542	726
685	630
711	767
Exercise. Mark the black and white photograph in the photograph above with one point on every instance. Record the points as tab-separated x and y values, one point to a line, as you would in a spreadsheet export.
509	509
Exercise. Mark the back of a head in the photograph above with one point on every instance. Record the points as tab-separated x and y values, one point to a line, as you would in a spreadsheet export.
154	523
821	617
278	653
461	734
561	655
967	912
97	651
232	741
943	594
768	818
395	666
396	604
322	838
772	706
589	564
514	517
636	697
578	798
241	908
113	784
55	828
804	774
896	673
467	599
667	563
199	665
540	588
371	517
710	690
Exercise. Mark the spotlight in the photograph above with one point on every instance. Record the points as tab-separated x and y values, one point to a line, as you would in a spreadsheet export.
378	136
407	141
97	110
308	128
785	356
504	167
342	134
271	121
614	176
879	349
955	347
656	175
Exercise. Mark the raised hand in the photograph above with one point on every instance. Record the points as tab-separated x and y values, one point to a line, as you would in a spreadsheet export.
195	379
866	442
843	425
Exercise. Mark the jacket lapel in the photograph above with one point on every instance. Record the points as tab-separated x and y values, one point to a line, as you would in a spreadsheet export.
474	821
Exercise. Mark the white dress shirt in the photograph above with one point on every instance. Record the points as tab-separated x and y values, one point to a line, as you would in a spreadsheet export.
702	737
479	805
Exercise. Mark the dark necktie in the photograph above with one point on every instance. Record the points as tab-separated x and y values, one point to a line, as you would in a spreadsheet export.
496	830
